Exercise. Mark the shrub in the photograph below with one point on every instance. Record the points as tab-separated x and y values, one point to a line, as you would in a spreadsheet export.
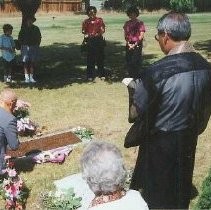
182	5
65	200
204	201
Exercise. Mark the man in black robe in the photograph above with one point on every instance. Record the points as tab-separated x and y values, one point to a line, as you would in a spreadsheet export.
173	96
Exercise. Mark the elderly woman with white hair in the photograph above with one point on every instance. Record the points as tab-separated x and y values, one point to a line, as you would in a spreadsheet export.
104	171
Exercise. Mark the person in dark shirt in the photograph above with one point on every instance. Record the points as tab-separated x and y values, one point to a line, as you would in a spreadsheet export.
30	39
173	98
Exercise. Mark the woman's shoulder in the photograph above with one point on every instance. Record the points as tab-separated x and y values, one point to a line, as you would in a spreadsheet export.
132	200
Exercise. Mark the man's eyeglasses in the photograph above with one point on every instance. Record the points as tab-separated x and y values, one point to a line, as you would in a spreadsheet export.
158	34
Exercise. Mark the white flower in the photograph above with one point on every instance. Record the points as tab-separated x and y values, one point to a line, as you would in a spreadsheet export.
12	173
58	193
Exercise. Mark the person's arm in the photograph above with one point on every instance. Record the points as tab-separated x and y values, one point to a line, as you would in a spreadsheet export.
83	28
131	85
13	45
39	35
102	28
141	36
125	32
142	31
20	36
133	112
11	134
1	44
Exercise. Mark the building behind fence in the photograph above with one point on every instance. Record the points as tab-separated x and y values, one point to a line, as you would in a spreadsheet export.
47	6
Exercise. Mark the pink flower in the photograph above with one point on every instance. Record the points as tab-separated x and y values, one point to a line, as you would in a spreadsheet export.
22	104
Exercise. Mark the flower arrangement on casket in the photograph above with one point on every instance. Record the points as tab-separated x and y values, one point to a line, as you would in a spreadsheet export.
24	125
85	134
12	188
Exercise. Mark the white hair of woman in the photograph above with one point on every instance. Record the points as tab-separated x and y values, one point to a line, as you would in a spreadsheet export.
103	168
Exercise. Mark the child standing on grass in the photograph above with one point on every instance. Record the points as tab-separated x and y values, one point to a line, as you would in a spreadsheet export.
30	39
134	30
7	46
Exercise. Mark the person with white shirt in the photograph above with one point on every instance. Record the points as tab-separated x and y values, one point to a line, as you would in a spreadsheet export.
104	171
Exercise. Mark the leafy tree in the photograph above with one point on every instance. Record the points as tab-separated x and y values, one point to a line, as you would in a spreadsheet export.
87	3
182	5
128	3
203	5
204	201
113	4
28	8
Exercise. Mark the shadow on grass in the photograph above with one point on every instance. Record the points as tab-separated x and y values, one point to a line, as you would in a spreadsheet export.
63	64
24	164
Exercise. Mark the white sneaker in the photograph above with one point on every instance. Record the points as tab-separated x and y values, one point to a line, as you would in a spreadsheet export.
27	80
102	78
8	80
127	81
32	80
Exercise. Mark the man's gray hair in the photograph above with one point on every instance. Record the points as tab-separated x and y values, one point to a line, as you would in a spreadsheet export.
102	167
176	25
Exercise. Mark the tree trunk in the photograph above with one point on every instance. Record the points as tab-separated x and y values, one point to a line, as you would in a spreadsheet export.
28	8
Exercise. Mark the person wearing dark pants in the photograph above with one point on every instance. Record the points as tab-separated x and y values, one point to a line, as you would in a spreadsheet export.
95	55
173	99
134	30
134	60
93	29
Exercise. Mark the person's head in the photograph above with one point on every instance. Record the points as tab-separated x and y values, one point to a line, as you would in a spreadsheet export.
172	28
102	167
8	99
7	29
91	11
132	12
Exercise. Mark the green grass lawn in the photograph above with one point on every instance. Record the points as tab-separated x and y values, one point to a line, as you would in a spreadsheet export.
63	99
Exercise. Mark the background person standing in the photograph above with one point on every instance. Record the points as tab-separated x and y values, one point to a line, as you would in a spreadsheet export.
134	30
7	46
93	29
30	39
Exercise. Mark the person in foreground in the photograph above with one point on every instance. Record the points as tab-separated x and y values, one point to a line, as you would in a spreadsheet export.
104	171
173	98
8	124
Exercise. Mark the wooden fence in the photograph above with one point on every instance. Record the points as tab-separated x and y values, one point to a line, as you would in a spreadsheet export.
61	6
47	6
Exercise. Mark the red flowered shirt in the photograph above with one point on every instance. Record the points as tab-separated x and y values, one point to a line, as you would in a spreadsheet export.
93	27
132	30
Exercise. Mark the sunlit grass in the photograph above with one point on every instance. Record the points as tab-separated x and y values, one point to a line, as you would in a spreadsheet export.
63	99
